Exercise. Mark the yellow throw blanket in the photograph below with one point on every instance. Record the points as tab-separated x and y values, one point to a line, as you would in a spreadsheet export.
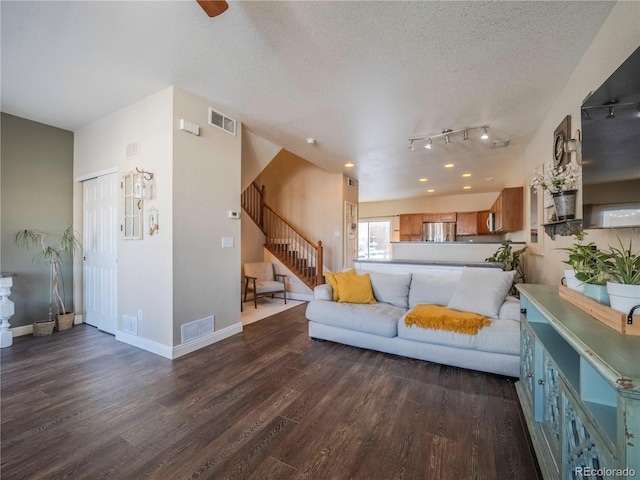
436	317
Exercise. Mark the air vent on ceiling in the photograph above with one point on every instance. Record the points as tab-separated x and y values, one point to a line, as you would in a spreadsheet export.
500	143
221	121
351	182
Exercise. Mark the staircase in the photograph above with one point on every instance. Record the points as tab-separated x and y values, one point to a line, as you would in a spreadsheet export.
302	256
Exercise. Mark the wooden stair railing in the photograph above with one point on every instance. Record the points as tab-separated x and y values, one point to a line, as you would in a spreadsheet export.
302	256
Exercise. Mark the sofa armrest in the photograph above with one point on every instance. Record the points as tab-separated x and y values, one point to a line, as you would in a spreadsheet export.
323	292
510	309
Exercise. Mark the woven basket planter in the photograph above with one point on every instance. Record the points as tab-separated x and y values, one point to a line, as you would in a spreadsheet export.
40	329
64	321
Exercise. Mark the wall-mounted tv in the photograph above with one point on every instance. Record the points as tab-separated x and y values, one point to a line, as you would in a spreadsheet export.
611	150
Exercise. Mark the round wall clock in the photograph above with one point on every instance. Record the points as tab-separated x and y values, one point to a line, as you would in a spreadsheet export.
558	149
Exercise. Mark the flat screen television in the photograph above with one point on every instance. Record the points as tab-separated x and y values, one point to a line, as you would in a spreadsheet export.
611	150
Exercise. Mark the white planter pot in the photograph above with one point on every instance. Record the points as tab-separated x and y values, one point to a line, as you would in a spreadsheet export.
597	293
624	297
572	282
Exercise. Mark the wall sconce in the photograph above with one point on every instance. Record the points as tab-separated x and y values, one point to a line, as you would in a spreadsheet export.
140	179
572	144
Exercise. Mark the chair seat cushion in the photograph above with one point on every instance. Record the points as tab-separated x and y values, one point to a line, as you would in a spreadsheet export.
378	319
267	286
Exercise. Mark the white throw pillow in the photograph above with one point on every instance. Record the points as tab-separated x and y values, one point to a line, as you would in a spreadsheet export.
390	288
435	289
481	290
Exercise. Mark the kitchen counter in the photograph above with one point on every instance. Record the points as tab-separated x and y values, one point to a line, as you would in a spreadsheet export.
434	263
466	252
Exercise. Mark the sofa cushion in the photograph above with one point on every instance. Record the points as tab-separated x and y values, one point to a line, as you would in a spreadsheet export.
378	319
332	279
390	288
355	289
432	289
481	290
502	336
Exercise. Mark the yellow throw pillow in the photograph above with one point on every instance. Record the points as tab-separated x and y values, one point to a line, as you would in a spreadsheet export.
436	317
355	289
331	279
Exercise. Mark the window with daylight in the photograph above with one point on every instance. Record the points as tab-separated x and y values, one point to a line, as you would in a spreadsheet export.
374	239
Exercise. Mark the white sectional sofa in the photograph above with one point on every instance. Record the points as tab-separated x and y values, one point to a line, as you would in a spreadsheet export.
381	326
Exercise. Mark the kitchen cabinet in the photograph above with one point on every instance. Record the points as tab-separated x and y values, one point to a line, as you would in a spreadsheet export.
411	227
579	389
508	210
483	222
467	223
439	217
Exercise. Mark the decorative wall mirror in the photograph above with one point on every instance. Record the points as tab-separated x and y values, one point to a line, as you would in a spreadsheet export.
131	226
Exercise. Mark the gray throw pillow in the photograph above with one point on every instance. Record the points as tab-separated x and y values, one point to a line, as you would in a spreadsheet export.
481	290
435	289
391	288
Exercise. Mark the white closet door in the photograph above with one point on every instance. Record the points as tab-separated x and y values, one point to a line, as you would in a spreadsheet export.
100	236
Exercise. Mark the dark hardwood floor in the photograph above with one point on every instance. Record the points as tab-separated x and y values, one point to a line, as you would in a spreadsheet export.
265	404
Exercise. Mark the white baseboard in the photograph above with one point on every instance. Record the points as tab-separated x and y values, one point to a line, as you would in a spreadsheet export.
300	296
175	352
22	330
206	340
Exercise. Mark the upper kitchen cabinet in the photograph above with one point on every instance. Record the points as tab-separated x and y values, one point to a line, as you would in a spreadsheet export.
411	227
467	223
508	210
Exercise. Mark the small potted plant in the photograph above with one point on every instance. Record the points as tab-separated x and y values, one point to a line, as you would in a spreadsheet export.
623	268
510	260
577	259
590	268
562	183
53	254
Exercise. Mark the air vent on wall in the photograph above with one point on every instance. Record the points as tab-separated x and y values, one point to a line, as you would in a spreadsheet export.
221	121
351	182
198	328
133	150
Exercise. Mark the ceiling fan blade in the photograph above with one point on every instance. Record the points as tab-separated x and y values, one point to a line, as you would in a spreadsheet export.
213	8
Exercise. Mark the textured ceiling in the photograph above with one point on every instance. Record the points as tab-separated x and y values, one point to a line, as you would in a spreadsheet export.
360	77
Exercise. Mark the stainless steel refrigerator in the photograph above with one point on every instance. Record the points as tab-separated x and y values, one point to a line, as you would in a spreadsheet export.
439	231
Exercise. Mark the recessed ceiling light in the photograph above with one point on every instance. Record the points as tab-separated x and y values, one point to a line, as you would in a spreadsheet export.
467	187
431	190
348	165
422	180
466	175
448	165
311	141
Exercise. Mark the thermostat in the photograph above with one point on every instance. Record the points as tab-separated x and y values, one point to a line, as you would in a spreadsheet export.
234	214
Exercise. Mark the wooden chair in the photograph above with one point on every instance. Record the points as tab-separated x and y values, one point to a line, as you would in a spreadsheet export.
261	279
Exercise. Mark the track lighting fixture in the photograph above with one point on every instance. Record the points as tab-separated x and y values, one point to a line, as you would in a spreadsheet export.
611	114
447	134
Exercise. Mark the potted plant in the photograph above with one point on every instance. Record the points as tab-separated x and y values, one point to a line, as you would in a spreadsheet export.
577	260
623	268
510	260
562	183
590	268
53	254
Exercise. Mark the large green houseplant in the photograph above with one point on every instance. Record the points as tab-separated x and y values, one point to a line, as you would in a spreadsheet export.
510	260
53	251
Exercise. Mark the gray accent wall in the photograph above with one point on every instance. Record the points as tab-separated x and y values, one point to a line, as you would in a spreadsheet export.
36	169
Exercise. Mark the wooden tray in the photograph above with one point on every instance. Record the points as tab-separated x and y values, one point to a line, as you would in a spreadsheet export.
607	315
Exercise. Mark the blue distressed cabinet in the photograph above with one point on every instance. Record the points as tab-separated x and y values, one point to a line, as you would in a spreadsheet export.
579	389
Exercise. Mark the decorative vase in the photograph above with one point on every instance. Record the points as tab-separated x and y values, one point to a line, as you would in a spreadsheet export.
572	282
565	204
597	292
624	297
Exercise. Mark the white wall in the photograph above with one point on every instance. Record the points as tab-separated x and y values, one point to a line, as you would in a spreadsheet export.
206	186
181	273
617	39
145	277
